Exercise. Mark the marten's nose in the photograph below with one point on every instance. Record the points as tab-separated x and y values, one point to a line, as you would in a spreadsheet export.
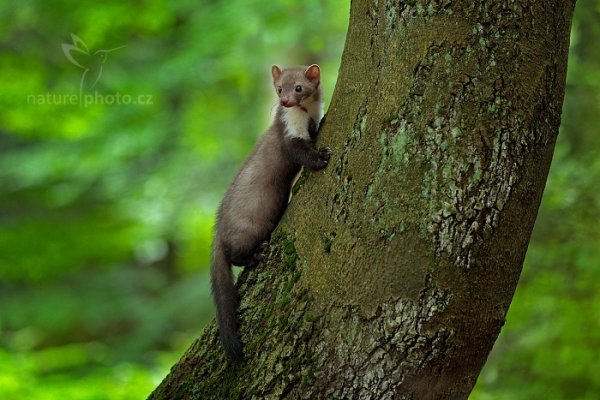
285	101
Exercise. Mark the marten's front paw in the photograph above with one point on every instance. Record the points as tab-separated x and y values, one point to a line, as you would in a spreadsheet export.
324	156
325	153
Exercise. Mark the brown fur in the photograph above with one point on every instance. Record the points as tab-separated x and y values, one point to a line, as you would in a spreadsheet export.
259	194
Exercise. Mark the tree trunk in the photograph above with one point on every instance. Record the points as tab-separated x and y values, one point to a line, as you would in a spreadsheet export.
392	271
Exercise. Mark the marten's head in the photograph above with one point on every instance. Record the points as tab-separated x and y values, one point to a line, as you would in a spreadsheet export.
296	86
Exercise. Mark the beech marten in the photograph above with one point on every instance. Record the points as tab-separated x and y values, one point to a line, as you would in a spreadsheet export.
259	193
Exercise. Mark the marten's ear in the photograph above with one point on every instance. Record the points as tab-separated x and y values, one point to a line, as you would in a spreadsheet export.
313	73
276	72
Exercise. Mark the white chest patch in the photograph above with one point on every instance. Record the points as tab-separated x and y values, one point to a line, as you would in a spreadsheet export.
296	120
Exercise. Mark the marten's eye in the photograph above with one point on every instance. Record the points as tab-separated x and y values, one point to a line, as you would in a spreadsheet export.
279	90
298	88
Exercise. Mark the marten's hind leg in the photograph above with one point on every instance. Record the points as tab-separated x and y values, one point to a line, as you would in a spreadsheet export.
251	260
258	255
247	252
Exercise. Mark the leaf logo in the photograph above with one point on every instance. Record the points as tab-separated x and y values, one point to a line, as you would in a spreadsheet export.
91	63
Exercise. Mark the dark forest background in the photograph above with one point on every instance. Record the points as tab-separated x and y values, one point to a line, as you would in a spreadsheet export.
109	184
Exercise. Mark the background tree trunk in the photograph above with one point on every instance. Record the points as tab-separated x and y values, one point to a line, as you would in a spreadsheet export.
392	272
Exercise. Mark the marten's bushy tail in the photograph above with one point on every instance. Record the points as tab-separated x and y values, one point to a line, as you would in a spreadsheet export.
226	302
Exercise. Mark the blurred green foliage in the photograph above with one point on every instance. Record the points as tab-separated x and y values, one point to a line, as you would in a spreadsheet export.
107	209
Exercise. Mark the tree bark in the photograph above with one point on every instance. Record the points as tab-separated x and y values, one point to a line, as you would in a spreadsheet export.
392	271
